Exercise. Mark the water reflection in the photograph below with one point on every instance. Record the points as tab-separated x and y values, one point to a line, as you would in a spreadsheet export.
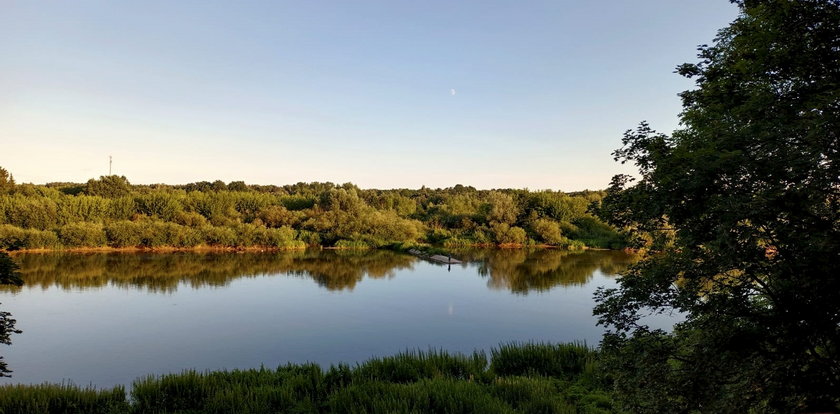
522	271
519	271
101	318
163	272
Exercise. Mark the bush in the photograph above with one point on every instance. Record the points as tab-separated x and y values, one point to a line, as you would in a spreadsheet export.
309	238
595	233
218	236
505	234
82	235
123	234
284	237
277	216
547	231
190	219
352	244
41	239
14	238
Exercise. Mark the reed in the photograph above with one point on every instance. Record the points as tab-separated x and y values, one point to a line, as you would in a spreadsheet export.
564	361
62	398
517	378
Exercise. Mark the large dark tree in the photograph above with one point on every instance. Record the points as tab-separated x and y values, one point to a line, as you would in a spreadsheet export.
8	276
751	186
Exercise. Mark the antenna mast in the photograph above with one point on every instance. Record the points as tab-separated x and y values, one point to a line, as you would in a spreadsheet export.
110	163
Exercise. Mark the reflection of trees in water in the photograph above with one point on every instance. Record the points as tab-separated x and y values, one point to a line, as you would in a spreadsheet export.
522	271
517	270
162	272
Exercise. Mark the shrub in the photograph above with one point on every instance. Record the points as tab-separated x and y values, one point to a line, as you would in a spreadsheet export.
284	237
506	234
352	244
123	234
218	236
189	218
547	231
40	239
12	237
82	235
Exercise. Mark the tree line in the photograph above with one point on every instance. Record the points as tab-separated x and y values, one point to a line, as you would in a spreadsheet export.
110	211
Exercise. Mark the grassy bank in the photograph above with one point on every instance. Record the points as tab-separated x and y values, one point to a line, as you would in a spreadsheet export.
517	378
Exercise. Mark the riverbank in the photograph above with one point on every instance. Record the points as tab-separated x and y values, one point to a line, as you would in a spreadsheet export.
349	246
516	378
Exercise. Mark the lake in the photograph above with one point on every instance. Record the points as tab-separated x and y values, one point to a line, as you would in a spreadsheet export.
109	318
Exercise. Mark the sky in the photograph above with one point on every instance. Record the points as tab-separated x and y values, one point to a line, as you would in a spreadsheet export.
383	94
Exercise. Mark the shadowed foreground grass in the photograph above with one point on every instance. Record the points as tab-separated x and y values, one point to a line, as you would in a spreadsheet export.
518	378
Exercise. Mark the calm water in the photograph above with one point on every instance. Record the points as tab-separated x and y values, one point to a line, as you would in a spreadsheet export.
107	319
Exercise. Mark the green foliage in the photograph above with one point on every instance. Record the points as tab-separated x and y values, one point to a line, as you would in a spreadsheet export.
426	396
547	231
560	361
506	234
413	366
218	236
159	205
277	216
109	186
62	398
283	237
8	276
82	235
7	181
350	244
749	186
30	212
14	238
318	213
190	219
499	208
411	382
557	206
594	233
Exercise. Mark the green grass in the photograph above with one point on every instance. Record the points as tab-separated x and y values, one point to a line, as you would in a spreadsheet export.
517	378
61	398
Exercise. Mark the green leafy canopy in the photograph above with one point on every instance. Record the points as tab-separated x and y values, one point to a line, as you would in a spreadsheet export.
751	186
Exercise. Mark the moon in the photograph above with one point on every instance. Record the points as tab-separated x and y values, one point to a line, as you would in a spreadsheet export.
452	92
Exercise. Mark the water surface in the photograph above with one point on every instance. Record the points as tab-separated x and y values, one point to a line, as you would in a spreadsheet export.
106	319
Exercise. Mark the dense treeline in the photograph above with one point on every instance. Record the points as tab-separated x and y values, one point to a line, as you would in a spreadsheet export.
110	211
517	378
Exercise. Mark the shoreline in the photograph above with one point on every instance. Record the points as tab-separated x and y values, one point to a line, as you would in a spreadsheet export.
200	249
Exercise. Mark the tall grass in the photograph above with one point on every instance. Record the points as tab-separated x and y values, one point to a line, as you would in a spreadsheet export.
565	361
517	378
61	398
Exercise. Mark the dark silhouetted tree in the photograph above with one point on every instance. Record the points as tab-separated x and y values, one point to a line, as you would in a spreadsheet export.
8	276
751	185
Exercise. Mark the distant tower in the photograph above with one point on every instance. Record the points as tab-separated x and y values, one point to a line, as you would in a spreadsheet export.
110	163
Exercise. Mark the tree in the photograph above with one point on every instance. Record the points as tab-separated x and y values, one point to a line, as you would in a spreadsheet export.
111	186
751	186
8	276
7	181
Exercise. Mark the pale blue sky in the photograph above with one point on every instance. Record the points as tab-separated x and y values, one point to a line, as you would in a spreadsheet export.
275	92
